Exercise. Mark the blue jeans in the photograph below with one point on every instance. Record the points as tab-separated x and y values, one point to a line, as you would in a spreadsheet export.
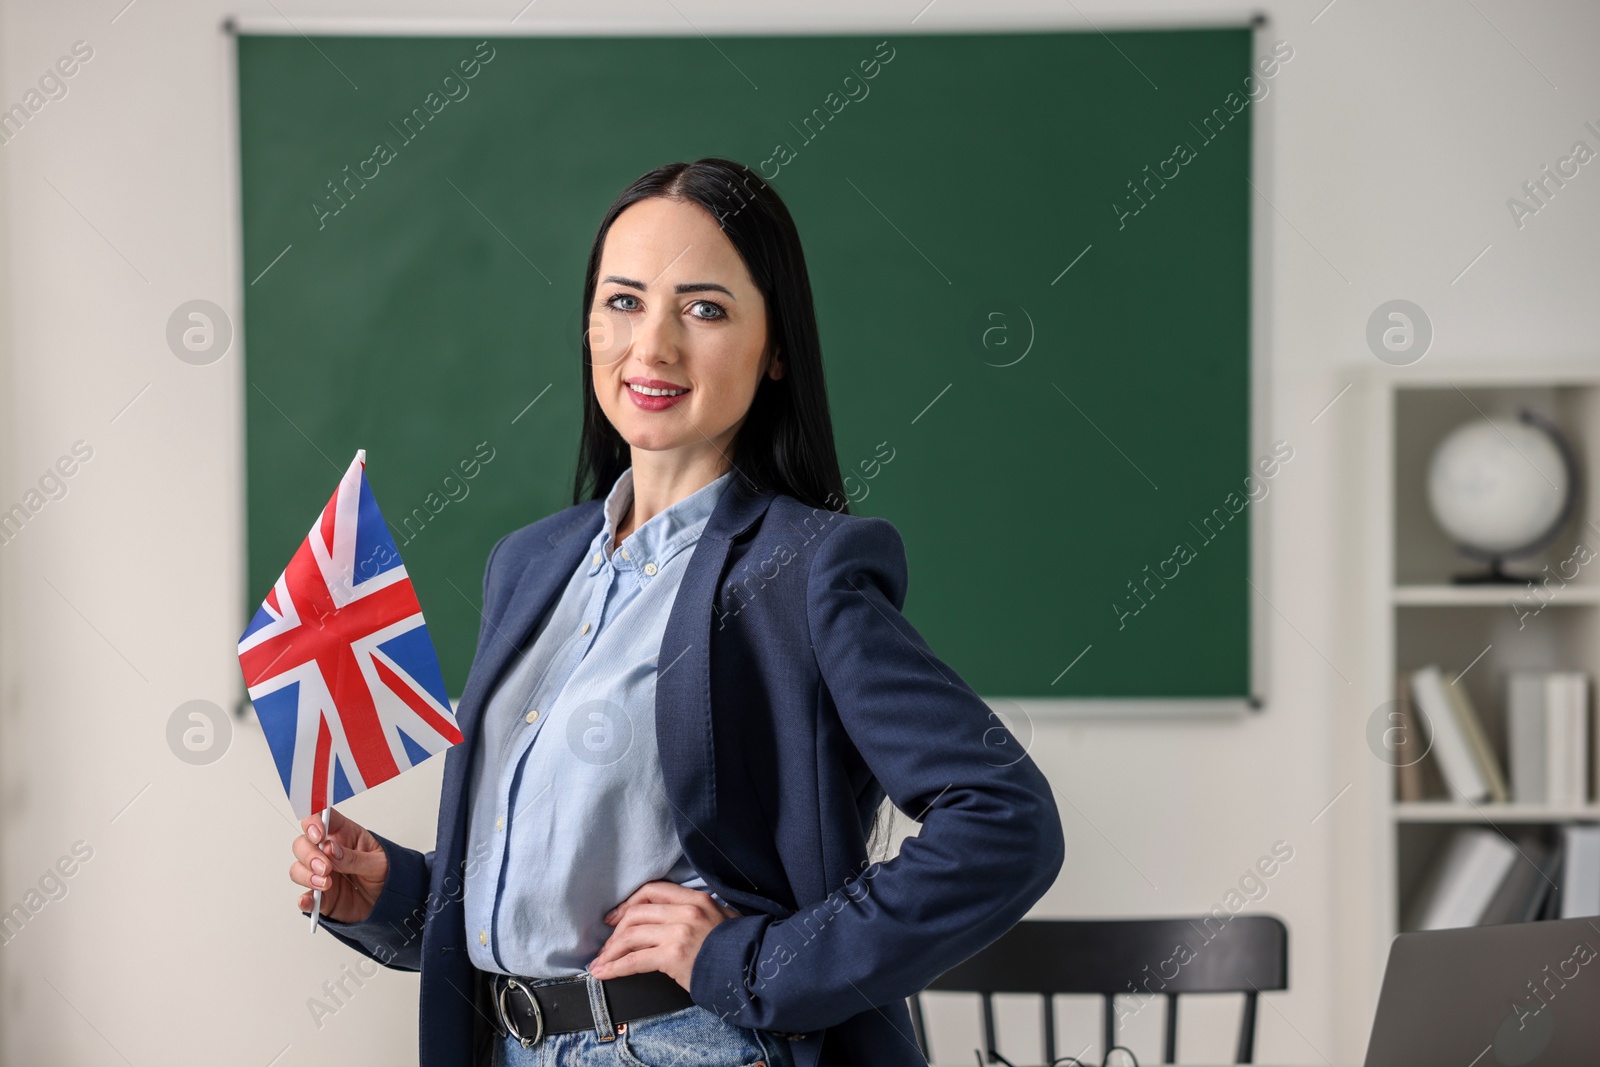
688	1037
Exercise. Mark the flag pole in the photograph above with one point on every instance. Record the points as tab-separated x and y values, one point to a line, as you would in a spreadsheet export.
327	812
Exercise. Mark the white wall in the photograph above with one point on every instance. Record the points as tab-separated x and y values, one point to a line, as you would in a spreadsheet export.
1400	132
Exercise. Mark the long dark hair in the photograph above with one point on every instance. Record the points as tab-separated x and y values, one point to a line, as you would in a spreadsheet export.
786	441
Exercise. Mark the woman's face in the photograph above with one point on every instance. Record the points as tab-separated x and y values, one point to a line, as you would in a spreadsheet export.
675	312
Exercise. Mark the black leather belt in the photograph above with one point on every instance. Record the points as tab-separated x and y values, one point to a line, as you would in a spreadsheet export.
528	1012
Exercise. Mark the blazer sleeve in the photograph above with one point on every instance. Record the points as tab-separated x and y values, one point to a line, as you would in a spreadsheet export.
392	934
990	844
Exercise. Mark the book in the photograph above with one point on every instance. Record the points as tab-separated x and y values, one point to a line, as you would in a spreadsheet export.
1578	724
1557	740
1457	758
1409	747
1549	735
1525	736
1521	885
1472	725
1566	735
1463	881
1541	900
1580	870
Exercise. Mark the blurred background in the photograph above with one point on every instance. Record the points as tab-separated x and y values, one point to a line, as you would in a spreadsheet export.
1365	251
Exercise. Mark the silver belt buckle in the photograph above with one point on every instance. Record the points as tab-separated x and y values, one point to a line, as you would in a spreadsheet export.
505	1015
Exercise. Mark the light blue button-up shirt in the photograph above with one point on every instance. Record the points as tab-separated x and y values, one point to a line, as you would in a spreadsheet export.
569	810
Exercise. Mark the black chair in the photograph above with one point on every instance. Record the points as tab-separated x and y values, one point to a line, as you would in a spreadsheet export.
1148	957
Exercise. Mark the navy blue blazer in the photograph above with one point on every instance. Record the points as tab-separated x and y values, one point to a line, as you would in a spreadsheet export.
791	696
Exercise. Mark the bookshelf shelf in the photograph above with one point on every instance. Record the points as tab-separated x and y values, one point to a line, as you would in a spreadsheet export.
1445	811
1499	596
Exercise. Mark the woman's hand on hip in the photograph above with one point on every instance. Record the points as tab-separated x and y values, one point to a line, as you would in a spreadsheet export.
349	866
660	927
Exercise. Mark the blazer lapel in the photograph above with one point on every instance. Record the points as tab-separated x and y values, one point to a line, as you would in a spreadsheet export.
684	736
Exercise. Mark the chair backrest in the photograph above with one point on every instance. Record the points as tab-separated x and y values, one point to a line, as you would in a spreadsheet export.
1217	953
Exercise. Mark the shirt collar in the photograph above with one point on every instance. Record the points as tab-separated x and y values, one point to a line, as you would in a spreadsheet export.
666	533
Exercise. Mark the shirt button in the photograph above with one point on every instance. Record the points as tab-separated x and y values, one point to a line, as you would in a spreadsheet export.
597	558
625	554
585	629
500	823
532	715
649	568
483	937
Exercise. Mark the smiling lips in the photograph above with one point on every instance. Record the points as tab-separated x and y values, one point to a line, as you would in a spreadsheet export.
652	394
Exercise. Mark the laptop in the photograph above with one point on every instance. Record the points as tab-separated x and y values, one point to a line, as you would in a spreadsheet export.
1491	996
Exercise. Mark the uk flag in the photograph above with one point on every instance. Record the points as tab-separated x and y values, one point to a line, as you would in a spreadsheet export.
338	661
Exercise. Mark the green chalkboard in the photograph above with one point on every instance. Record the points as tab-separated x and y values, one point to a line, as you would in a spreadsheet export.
1047	340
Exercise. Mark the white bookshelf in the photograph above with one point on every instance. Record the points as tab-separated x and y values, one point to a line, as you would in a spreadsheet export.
1405	612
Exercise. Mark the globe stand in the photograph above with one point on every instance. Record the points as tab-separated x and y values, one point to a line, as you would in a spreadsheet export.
1495	575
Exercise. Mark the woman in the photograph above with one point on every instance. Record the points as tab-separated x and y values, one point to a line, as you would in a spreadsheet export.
692	691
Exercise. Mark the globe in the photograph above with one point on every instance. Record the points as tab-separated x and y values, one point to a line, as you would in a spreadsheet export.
1500	487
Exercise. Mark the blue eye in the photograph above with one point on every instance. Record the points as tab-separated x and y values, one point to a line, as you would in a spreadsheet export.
720	311
610	301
